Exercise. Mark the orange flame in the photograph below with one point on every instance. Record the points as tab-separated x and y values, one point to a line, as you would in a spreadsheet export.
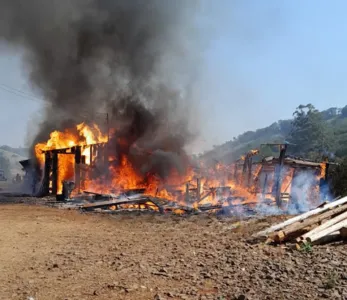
216	185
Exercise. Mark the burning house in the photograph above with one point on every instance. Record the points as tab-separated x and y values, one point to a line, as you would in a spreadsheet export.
84	164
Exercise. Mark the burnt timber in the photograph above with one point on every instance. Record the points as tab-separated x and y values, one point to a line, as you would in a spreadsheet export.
266	181
51	165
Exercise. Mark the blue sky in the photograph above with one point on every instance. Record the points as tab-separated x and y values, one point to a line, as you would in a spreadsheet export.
263	59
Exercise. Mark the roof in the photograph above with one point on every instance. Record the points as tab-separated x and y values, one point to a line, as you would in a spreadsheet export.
26	163
293	162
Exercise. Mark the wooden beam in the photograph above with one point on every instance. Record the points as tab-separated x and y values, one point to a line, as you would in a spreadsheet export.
319	209
249	178
235	173
264	191
46	174
278	175
91	155
297	226
244	171
187	198
54	173
78	177
198	189
343	233
316	233
121	201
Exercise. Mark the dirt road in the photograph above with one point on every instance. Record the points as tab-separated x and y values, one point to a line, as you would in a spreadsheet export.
57	254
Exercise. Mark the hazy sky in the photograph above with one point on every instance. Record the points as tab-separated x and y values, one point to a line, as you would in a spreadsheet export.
265	58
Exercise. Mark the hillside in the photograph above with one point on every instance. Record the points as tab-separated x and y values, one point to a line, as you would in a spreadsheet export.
334	118
20	151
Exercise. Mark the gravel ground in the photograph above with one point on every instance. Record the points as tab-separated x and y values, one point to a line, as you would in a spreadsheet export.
50	253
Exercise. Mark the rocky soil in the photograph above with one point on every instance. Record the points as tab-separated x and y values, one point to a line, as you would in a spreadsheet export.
49	253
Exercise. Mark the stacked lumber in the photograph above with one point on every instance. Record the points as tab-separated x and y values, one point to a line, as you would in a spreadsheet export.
327	222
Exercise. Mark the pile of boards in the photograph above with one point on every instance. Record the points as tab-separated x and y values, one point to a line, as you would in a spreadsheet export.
326	223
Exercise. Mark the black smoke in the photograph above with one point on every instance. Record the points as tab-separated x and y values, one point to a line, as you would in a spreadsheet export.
134	59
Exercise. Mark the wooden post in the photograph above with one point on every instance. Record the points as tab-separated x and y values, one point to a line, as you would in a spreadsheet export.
326	177
46	173
78	171
91	154
96	152
187	192
235	173
55	173
198	189
106	164
83	172
78	177
264	186
278	175
244	170
249	179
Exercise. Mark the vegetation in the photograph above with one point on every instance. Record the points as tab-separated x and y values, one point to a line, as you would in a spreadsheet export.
310	136
307	248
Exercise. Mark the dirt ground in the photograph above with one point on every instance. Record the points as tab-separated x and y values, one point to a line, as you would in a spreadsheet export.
49	253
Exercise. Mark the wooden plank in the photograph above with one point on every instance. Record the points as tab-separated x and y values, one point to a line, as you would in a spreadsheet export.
46	173
290	230
343	233
321	229
318	235
55	173
198	190
91	155
121	201
331	237
301	217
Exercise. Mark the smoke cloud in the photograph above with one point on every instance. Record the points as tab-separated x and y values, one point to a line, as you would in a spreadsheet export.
136	60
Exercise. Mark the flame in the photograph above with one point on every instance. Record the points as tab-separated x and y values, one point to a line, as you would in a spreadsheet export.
82	136
323	167
220	185
254	152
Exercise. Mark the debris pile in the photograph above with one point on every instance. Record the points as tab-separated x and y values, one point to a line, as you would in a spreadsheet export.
326	223
129	200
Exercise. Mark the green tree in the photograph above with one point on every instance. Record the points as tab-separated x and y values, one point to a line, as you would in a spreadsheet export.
310	135
5	165
339	179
